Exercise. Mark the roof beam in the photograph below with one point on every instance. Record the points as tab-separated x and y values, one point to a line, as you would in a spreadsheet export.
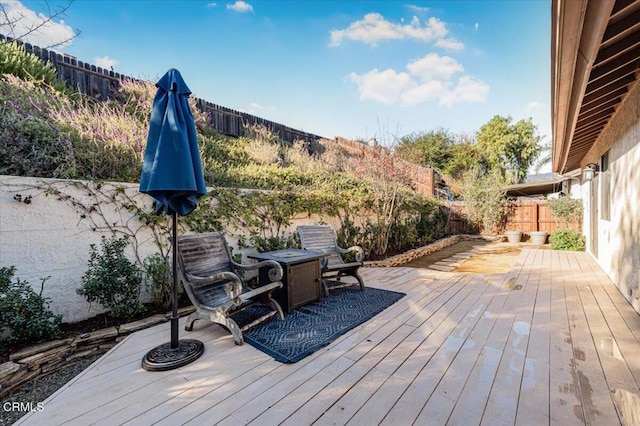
595	116
588	128
607	89
631	57
620	6
626	25
614	79
600	106
591	133
617	93
618	48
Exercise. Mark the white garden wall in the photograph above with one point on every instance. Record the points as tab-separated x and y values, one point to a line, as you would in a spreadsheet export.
50	235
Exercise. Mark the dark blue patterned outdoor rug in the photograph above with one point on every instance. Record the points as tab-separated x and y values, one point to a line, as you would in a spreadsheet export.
313	326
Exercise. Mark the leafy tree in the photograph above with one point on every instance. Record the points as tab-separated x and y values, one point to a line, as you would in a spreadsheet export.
431	149
546	156
509	147
484	197
464	155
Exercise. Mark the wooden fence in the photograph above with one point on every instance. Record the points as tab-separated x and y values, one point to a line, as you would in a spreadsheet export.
102	84
524	215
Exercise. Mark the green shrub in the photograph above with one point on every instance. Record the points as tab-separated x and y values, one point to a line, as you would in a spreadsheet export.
567	240
25	317
112	280
264	244
15	60
159	280
568	210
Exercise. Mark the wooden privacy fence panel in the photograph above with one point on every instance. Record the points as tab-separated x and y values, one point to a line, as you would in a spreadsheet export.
102	84
523	215
530	215
458	222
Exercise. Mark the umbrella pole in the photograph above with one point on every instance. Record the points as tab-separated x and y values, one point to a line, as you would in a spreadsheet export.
174	302
177	352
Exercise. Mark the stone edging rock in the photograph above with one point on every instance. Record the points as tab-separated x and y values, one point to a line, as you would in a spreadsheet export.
410	255
42	359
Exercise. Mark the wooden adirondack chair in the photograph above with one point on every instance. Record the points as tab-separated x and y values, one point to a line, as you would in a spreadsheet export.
322	238
213	282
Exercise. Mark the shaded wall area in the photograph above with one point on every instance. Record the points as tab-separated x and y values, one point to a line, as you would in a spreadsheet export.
618	237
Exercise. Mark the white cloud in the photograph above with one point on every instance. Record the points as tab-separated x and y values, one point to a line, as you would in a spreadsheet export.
477	26
385	86
212	5
433	66
50	33
417	9
105	62
430	78
468	89
240	7
374	28
450	43
428	91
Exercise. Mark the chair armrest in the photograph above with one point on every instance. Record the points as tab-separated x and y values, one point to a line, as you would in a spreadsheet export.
275	273
357	249
232	287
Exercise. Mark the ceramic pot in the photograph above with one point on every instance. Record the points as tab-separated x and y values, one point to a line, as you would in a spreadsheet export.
513	236
538	237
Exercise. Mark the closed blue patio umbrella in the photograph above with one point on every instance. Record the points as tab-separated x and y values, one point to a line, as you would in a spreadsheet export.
172	175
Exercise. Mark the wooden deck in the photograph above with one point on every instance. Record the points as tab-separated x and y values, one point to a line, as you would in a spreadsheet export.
550	342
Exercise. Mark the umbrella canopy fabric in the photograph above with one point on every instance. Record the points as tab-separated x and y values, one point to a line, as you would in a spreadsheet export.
172	171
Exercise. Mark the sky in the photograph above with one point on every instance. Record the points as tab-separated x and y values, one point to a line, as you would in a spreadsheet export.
356	69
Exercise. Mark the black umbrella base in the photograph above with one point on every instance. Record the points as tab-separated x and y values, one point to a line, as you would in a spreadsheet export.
163	358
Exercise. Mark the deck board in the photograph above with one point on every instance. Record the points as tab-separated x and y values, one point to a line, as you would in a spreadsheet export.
552	341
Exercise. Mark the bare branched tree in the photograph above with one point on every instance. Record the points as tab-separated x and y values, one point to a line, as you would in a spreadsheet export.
45	29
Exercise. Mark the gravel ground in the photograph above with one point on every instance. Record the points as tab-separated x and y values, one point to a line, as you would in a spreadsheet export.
39	389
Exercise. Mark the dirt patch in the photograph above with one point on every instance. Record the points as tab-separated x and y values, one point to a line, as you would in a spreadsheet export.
496	260
487	257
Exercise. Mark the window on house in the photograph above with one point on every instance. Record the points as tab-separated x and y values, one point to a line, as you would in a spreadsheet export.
605	174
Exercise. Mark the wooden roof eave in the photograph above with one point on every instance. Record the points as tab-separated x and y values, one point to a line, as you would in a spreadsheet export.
577	30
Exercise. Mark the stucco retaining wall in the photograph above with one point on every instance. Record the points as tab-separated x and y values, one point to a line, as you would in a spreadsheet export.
49	235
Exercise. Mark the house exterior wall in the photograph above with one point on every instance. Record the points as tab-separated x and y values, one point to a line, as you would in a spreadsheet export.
618	251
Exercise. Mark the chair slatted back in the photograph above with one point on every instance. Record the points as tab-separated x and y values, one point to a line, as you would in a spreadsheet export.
203	254
320	238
